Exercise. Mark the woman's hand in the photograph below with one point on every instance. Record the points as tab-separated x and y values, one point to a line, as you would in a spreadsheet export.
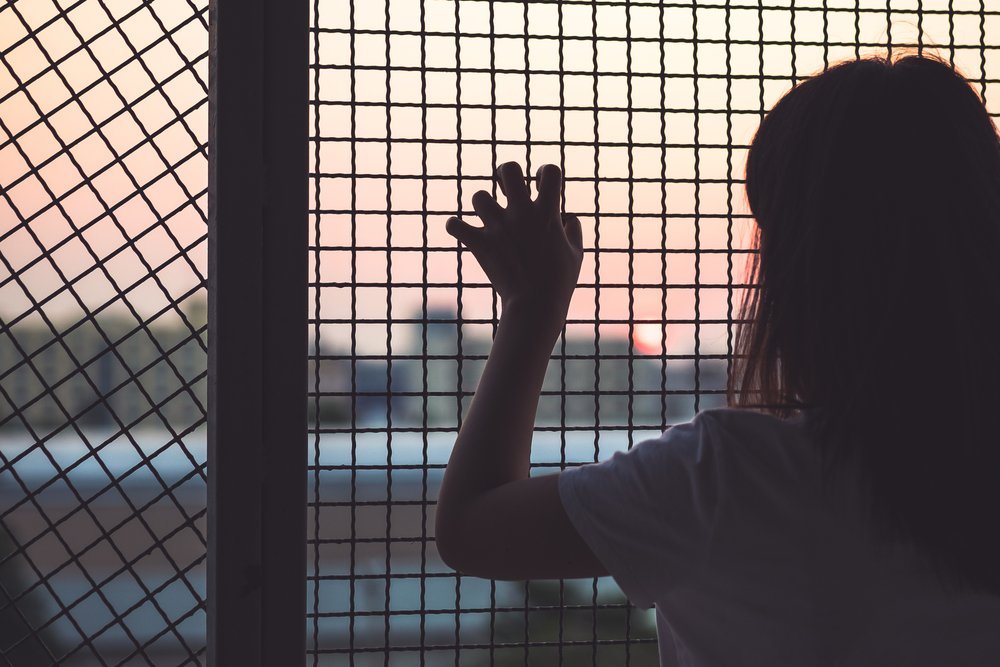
530	251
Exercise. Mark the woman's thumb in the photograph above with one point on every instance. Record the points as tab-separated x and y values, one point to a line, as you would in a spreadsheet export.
463	231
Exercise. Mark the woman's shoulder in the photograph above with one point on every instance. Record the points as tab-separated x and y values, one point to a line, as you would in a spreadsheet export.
718	434
745	423
734	439
750	436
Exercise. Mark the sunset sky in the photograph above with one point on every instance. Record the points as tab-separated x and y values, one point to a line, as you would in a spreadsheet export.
76	110
41	118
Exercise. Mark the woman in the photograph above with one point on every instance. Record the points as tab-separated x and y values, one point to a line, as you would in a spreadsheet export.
845	509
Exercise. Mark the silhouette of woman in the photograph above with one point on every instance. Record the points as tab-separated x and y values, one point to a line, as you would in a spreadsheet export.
844	509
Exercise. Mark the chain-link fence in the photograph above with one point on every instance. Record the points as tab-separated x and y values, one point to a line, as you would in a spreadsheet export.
103	164
649	108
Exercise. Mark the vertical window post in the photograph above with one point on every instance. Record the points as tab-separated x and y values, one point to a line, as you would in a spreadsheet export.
258	238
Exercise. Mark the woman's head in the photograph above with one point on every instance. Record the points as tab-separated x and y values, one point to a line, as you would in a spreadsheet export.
876	190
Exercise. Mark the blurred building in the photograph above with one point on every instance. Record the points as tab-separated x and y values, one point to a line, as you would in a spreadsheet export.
586	383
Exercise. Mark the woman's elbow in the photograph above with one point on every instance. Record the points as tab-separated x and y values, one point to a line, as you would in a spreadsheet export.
447	538
455	547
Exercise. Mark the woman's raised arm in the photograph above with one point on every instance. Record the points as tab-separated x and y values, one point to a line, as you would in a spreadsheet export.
493	519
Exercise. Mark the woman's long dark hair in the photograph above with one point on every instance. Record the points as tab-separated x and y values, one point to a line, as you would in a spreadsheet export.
876	190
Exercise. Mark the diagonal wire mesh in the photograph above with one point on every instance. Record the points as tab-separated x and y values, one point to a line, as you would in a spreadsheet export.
103	173
649	108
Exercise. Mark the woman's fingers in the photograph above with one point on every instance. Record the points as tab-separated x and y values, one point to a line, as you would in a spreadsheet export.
486	207
470	236
574	232
549	184
513	185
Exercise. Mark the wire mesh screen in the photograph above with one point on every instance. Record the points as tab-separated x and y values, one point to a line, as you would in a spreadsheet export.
103	172
649	108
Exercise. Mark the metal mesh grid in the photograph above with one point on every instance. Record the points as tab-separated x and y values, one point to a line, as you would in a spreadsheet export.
103	165
648	107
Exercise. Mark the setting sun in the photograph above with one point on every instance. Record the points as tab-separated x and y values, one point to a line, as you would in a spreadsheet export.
649	338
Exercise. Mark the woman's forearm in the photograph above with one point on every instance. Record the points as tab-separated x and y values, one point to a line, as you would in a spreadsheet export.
494	444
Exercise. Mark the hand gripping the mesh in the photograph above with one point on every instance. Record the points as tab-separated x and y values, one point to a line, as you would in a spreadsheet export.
530	251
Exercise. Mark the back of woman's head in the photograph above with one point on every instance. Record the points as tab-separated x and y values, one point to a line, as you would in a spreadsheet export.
876	189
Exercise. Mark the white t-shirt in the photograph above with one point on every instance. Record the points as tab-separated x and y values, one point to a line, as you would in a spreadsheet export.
720	523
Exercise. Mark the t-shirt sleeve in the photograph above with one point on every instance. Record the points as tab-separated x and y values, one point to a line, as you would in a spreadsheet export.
648	513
